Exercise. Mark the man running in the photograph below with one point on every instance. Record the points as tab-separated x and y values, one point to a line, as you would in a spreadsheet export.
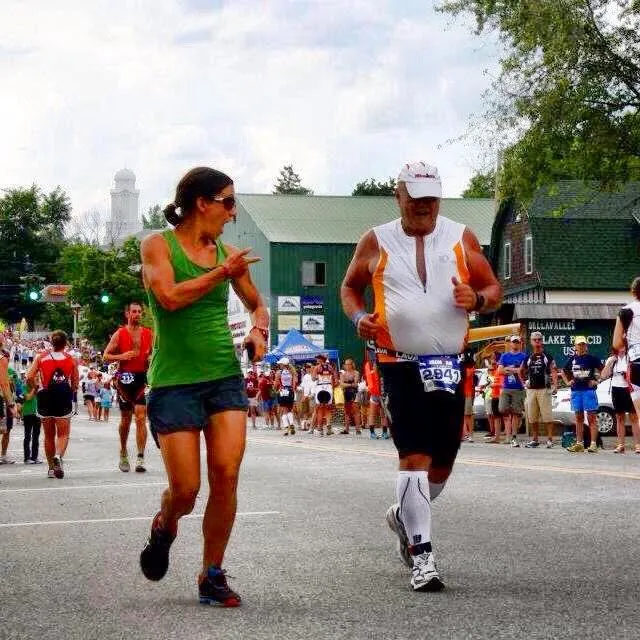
7	404
285	386
427	273
540	373
130	346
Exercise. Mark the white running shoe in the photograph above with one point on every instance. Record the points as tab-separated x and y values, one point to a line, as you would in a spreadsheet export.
395	524
424	574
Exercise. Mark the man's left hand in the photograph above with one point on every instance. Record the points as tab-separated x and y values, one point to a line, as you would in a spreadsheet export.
463	295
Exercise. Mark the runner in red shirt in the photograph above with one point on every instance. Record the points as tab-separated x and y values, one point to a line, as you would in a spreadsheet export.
58	373
130	346
265	387
251	386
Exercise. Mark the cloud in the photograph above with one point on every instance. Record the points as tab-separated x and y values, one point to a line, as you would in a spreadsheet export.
342	92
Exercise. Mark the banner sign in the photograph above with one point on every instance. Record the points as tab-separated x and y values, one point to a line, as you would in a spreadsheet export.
313	323
288	322
288	304
312	304
316	338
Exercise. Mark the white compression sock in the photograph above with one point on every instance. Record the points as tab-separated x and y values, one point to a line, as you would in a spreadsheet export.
435	489
290	418
412	491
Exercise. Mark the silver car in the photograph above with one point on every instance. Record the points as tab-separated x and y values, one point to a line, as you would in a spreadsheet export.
605	418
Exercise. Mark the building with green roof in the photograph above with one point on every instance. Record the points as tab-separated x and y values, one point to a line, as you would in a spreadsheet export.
306	244
567	260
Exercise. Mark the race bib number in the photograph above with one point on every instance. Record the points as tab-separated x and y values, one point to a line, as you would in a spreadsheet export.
634	352
127	378
440	373
511	379
284	392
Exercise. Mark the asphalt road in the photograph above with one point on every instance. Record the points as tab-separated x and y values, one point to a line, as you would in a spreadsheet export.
531	544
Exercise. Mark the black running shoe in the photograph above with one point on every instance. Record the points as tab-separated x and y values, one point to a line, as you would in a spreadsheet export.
154	559
215	590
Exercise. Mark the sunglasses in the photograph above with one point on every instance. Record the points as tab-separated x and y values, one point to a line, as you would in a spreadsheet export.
228	202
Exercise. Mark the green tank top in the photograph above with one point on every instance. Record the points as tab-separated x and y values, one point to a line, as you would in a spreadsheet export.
192	344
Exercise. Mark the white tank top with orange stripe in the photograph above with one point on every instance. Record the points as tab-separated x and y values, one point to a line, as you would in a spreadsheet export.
416	319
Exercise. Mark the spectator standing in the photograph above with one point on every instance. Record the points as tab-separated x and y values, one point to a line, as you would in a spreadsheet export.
616	369
511	404
32	425
581	374
540	373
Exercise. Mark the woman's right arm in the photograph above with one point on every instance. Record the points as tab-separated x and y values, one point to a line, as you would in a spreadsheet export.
160	278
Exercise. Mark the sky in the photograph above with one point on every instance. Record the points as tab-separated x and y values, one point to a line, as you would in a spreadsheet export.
343	90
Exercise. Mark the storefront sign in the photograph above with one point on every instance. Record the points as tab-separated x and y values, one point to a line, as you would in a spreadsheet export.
312	304
288	304
313	323
558	336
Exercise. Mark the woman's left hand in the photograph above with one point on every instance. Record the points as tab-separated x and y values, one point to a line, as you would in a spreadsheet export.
258	345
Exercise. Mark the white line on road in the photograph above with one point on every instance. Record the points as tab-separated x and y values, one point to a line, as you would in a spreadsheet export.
132	519
58	487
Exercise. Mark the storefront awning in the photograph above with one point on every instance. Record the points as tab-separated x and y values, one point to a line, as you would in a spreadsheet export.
566	311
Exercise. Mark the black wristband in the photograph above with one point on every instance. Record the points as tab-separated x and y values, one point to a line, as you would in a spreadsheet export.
479	302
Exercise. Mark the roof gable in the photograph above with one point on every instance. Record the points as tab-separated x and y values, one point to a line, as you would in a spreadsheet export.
344	219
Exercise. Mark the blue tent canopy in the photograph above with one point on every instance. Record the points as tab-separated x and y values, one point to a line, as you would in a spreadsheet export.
296	347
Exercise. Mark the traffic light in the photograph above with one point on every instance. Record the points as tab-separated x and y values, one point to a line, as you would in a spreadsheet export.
31	287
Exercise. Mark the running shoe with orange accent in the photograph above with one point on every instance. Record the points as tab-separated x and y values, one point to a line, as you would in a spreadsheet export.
154	559
213	589
58	471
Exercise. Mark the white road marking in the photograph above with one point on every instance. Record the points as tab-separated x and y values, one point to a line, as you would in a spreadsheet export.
71	487
132	519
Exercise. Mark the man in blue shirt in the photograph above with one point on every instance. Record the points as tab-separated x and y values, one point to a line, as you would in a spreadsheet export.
511	402
581	373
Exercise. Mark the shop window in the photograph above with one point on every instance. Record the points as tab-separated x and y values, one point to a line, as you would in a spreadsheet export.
314	274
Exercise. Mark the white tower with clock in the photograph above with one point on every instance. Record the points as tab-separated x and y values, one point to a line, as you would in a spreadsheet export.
125	219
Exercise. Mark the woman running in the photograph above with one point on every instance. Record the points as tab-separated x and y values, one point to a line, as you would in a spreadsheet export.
349	380
58	374
195	377
285	386
325	379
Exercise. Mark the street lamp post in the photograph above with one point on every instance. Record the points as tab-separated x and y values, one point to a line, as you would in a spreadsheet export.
75	307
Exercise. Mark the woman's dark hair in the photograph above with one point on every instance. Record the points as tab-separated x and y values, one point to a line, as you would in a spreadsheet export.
635	288
59	340
201	182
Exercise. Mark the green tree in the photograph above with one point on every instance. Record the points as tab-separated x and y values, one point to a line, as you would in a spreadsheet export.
32	226
373	187
569	88
91	270
154	218
290	182
481	185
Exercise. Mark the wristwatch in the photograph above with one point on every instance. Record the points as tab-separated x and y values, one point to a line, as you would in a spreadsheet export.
479	302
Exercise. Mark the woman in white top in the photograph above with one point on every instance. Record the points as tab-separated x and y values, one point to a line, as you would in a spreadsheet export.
617	368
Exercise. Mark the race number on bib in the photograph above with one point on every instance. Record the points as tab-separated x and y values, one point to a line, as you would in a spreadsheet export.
126	378
440	373
634	352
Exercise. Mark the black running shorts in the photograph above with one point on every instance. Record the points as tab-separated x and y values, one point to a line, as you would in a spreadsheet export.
423	422
286	398
55	402
130	387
